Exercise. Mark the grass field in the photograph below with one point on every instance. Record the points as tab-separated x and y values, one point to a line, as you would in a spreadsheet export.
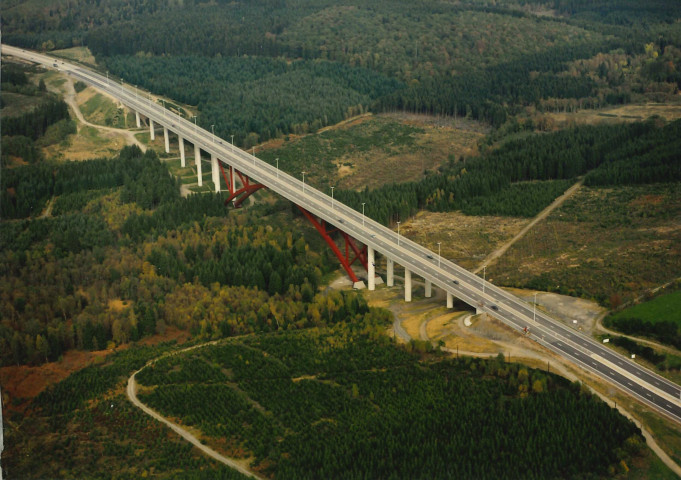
77	54
374	150
665	307
16	104
618	114
100	110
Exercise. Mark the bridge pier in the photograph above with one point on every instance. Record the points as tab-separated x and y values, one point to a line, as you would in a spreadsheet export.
407	285
429	289
450	300
181	142
371	268
137	119
166	140
197	159
390	264
215	172
152	135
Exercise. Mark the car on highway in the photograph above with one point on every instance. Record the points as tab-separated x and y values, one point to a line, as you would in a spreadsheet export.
494	307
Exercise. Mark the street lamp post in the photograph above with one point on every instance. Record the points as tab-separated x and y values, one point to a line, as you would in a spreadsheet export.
107	78
439	256
363	213
135	92
303	181
254	156
232	143
194	116
164	107
398	232
332	197
534	309
277	159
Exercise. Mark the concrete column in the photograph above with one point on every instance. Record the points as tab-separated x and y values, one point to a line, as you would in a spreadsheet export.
391	271
450	300
182	160
151	129
166	139
197	157
429	289
215	171
371	268
137	119
231	179
407	285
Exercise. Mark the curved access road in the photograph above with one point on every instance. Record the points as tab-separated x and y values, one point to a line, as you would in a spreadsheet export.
131	391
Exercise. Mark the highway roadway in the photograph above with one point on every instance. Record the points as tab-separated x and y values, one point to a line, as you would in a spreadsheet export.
642	383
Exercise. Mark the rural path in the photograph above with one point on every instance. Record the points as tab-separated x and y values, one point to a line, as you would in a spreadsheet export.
70	98
128	135
541	216
131	391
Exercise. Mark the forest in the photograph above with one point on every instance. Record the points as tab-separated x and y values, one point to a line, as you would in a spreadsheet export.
123	253
258	98
70	421
344	401
431	57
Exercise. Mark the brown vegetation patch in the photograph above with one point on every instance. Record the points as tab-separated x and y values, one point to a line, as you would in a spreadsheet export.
465	240
25	382
118	305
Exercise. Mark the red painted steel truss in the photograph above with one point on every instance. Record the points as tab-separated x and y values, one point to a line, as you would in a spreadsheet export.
238	195
352	251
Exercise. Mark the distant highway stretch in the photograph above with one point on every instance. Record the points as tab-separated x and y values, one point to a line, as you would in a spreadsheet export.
647	386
